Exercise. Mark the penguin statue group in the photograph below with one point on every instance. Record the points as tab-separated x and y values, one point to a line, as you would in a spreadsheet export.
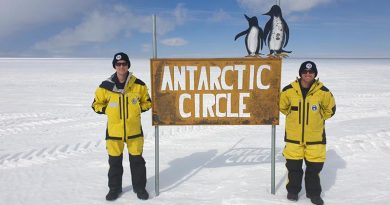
275	34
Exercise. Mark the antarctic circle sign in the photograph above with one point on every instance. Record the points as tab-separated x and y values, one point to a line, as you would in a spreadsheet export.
223	91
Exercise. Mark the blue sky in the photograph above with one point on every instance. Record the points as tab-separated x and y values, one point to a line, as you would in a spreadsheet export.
99	28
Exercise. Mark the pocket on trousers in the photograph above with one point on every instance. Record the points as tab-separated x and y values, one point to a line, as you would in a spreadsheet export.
293	151
135	146
315	153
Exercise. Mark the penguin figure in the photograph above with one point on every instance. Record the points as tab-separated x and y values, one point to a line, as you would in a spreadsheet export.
254	36
276	32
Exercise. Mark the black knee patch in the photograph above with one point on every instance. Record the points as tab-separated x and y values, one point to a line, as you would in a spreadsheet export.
136	159
294	164
314	167
115	160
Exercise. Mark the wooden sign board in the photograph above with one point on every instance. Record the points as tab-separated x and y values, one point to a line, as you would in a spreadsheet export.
221	91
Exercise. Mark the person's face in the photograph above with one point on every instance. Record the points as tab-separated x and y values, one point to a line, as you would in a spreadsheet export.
308	76
121	67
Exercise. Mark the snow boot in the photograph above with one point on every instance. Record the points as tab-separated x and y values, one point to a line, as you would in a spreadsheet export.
317	200
292	197
113	195
142	194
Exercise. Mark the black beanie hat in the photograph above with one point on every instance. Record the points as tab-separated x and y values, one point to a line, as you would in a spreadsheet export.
121	56
308	65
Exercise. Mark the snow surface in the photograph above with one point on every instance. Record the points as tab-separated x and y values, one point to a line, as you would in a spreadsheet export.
52	148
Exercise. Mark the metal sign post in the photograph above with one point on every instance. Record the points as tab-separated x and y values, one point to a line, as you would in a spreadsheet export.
156	128
273	137
273	133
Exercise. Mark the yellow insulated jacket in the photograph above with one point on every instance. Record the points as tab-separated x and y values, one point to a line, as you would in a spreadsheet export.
123	108
305	117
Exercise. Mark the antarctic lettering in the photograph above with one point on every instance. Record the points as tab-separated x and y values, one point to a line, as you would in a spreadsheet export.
210	89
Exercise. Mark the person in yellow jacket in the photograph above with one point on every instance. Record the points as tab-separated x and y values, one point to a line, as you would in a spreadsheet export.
307	103
123	97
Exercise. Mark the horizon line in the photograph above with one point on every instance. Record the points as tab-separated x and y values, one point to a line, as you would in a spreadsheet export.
100	58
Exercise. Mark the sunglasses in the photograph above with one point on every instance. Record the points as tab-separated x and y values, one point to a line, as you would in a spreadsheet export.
121	64
307	71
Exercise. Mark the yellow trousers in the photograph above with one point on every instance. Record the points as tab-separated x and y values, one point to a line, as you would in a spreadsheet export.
134	146
312	153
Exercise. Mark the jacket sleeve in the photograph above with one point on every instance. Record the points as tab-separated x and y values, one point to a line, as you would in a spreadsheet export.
100	102
328	105
145	101
284	103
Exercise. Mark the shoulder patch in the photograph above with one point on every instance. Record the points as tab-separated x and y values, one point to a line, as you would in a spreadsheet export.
323	88
287	87
140	82
107	85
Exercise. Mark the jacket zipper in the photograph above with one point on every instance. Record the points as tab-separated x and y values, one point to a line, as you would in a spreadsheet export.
124	119
307	114
303	121
127	106
120	107
299	113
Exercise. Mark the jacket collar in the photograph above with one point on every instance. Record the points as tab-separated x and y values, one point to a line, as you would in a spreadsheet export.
314	87
110	83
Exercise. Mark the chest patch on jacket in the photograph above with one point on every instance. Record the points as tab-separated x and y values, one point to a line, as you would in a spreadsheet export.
314	108
134	101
